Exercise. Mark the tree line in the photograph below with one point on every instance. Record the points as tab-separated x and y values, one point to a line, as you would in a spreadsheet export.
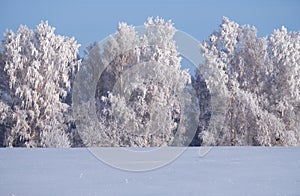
131	90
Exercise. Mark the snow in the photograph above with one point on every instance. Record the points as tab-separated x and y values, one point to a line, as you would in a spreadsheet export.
222	171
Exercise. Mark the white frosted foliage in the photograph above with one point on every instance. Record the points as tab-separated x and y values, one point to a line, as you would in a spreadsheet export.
261	78
136	99
39	65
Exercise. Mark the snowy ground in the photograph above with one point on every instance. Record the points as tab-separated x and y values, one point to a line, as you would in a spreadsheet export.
223	171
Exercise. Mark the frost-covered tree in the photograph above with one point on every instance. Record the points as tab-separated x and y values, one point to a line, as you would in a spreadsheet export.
4	100
259	76
283	81
204	101
38	65
140	90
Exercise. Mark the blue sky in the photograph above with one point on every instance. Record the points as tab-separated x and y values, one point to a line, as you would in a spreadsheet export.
93	20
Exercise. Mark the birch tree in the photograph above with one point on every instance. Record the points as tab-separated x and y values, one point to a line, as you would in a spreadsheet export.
38	65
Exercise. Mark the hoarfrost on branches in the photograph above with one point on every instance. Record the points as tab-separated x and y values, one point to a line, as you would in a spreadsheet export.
136	100
248	88
39	66
260	76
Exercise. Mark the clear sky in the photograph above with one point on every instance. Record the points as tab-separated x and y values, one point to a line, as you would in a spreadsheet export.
93	20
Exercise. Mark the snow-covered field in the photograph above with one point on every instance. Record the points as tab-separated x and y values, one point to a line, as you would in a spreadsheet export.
223	171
